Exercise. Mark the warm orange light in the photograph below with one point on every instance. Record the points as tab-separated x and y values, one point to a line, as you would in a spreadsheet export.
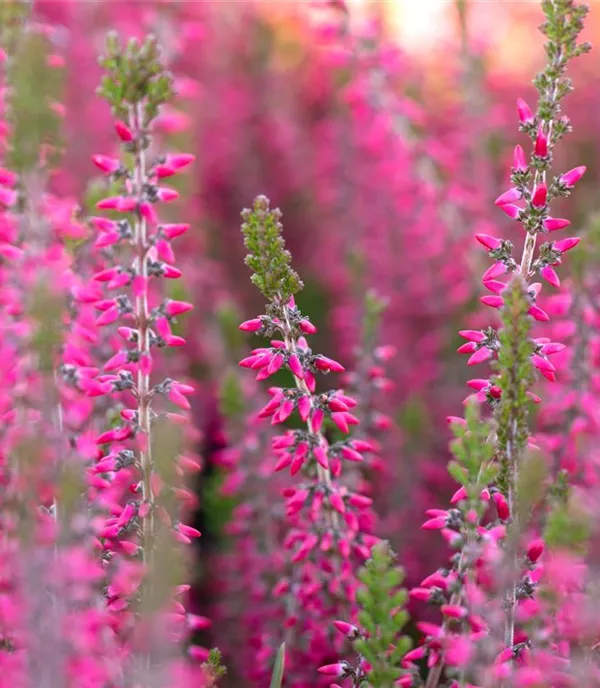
420	24
501	29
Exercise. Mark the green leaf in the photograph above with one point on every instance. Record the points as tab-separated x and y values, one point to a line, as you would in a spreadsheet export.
366	621
277	676
268	258
380	616
135	77
458	472
515	377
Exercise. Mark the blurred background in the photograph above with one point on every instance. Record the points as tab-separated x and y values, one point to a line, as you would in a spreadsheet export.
384	131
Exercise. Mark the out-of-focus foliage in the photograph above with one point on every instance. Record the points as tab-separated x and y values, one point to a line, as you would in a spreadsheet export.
385	160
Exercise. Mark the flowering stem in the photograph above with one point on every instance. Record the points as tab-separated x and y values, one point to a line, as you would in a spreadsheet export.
323	473
137	85
142	314
540	176
528	251
324	515
564	22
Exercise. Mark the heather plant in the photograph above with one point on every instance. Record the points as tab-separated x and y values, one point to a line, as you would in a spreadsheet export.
377	642
45	532
289	110
136	85
508	391
258	525
106	560
327	526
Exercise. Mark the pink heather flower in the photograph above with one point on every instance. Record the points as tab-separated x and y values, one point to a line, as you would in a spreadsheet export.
542	364
251	325
493	301
296	368
188	531
501	505
328	528
173	308
498	269
520	161
480	356
541	143
535	549
435	523
436	580
351	454
123	131
328	365
107	239
524	111
166	194
549	348
148	212
509	196
349	630
549	274
123	204
128	475
551	224
307	327
93	388
109	316
538	314
505	656
565	245
197	622
103	224
513	211
490	242
472	335
430	629
495	286
172	165
171	231
416	654
540	196
106	164
423	594
10	252
115	435
339	669
459	495
570	178
467	348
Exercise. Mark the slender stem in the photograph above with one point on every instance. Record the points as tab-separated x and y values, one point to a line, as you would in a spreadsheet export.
433	677
525	270
142	314
510	599
528	252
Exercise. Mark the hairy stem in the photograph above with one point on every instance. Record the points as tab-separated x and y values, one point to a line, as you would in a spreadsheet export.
143	328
